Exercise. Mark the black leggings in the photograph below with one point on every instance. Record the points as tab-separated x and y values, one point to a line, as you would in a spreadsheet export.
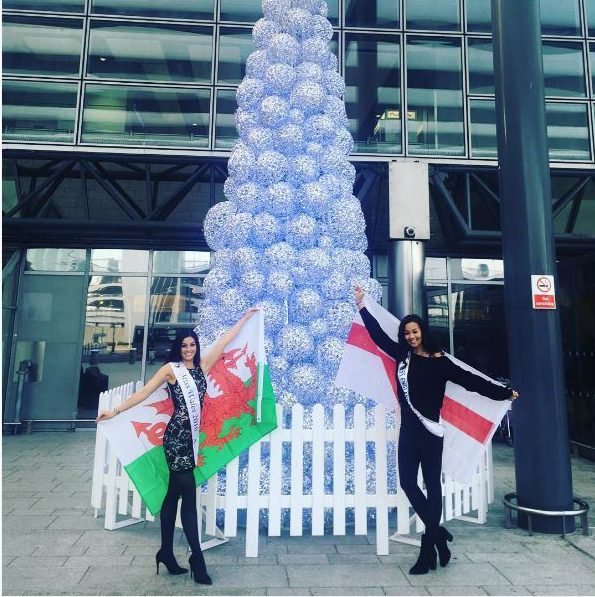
418	446
182	485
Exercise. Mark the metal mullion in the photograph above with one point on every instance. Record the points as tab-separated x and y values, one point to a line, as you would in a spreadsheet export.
450	306
465	90
81	88
405	94
146	318
152	84
139	19
12	12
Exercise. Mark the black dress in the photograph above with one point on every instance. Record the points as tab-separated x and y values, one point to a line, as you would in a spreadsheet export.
177	439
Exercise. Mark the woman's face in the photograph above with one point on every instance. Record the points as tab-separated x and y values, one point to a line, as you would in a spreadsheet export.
188	349
413	334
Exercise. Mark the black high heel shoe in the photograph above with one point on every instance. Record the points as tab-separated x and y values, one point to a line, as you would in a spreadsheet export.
169	562
198	570
441	537
427	557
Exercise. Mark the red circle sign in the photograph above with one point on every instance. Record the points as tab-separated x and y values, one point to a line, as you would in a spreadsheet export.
544	285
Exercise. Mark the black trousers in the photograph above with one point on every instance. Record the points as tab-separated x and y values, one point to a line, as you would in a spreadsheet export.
417	446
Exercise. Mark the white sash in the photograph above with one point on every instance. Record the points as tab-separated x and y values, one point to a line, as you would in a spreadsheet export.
192	399
432	426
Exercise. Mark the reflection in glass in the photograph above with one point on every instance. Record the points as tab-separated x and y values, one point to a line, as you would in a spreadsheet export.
241	11
111	356
560	17
74	6
434	96
235	45
435	16
373	92
363	13
479	16
181	9
119	260
590	10
55	260
119	115
481	65
592	56
175	52
435	268
568	131
476	269
181	262
39	111
437	301
483	128
479	327
225	127
174	306
563	69
41	46
585	219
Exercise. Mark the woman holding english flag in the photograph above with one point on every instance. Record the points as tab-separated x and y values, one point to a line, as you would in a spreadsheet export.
185	376
422	374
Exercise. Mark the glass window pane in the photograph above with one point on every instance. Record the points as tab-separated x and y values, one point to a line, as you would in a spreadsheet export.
56	260
39	111
483	129
437	301
477	269
560	17
590	8
225	126
481	65
235	45
435	16
175	52
119	115
119	260
592	56
435	268
479	16
115	320
585	219
373	92
241	11
75	6
383	13
563	69
181	9
41	46
174	306
181	262
568	131
479	314
434	96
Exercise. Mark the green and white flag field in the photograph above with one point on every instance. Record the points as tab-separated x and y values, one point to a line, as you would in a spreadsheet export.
238	410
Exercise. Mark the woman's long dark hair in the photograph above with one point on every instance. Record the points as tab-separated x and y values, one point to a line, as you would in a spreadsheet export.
428	341
175	352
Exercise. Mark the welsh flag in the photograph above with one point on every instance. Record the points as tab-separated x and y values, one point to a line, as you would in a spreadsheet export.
469	418
238	410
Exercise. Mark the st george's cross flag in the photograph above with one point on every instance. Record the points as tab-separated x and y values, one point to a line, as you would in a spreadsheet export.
238	409
470	419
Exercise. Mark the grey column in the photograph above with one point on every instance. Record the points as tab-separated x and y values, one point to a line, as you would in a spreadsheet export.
542	458
406	260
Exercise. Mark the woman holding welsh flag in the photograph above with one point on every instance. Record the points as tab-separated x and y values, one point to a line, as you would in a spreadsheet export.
185	376
422	373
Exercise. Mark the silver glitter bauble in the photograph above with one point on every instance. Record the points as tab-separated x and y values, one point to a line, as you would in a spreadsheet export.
275	315
329	353
301	231
297	116
249	197
208	316
233	304
358	241
286	399
351	263
223	258
340	317
279	366
298	22
312	6
303	169
318	328
335	162
273	111
320	27
280	256
256	63
343	141
336	286
280	78
240	226
230	187
271	167
334	107
241	165
252	283
309	71
263	30
250	92
314	198
295	343
284	48
217	223
280	199
372	288
316	263
308	96
321	128
305	305
315	50
334	83
314	150
275	9
266	229
289	139
345	217
280	284
337	186
259	138
305	381
247	258
325	242
216	282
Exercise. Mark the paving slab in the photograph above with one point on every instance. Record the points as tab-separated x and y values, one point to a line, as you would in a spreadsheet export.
347	591
40	578
548	573
506	590
344	575
561	589
461	574
454	590
405	591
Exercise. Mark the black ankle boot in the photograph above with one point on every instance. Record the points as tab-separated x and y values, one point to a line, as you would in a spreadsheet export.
198	569
427	557
169	561
441	536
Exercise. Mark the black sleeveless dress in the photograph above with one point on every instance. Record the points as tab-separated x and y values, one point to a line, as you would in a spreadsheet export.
177	439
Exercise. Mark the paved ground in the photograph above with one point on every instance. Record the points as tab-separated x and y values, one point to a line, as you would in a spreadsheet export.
52	544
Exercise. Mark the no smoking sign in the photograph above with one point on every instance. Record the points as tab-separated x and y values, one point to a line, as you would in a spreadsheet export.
543	291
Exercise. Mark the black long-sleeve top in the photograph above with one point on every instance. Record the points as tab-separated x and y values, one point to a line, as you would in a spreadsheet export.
427	376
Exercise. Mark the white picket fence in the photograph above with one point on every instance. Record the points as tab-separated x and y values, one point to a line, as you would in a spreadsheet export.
267	489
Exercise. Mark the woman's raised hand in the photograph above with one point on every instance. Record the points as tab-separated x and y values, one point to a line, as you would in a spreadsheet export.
104	415
513	395
248	314
358	294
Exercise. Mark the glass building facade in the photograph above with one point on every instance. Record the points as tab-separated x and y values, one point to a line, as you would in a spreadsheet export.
118	120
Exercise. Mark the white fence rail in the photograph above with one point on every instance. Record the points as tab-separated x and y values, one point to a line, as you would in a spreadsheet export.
314	448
